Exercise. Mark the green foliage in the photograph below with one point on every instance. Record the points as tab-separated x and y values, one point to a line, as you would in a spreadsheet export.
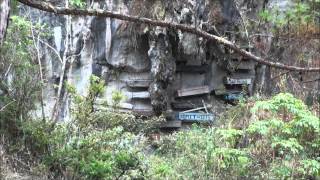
95	144
83	106
78	3
19	73
302	17
117	97
85	114
282	142
98	155
275	145
199	154
289	130
309	167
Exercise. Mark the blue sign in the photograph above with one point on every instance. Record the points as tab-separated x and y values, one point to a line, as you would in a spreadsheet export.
195	117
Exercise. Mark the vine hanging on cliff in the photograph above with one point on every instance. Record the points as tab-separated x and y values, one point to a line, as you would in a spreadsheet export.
44	6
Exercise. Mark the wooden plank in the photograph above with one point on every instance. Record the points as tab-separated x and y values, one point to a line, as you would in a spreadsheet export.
237	81
195	117
172	124
192	68
197	109
126	106
138	95
139	83
193	91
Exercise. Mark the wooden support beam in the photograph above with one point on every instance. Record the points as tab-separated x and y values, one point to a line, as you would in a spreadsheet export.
138	95
141	83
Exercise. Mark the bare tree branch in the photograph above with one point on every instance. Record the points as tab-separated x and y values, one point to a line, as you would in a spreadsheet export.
37	47
2	109
44	6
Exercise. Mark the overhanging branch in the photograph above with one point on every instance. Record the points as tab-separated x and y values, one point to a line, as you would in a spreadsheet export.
108	14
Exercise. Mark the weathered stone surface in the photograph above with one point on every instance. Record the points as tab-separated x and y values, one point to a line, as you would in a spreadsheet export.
162	71
127	56
159	98
134	58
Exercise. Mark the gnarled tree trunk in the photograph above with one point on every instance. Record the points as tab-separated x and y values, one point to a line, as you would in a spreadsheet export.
4	17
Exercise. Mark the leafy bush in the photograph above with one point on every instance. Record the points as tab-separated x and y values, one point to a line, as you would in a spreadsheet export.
78	3
280	142
19	74
301	18
96	144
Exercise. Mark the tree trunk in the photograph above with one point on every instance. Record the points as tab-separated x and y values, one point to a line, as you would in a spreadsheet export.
4	17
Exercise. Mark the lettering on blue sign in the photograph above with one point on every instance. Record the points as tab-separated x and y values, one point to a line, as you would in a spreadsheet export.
195	117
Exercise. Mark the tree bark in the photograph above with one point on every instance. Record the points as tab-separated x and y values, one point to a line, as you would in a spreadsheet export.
44	6
4	16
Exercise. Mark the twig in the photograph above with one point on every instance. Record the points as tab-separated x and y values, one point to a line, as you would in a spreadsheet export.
7	72
2	109
54	50
195	109
281	74
313	80
205	107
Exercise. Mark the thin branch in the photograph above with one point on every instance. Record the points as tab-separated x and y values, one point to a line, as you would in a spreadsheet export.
52	48
44	6
310	81
36	45
2	109
285	37
7	72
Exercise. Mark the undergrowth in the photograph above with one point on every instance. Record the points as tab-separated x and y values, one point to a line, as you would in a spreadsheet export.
280	140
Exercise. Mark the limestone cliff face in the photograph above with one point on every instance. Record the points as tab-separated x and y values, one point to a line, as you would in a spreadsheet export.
159	70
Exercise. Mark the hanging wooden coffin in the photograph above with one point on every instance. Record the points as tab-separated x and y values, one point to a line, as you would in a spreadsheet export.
193	91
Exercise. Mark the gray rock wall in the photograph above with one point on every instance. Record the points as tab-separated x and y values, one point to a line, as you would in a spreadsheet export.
148	64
